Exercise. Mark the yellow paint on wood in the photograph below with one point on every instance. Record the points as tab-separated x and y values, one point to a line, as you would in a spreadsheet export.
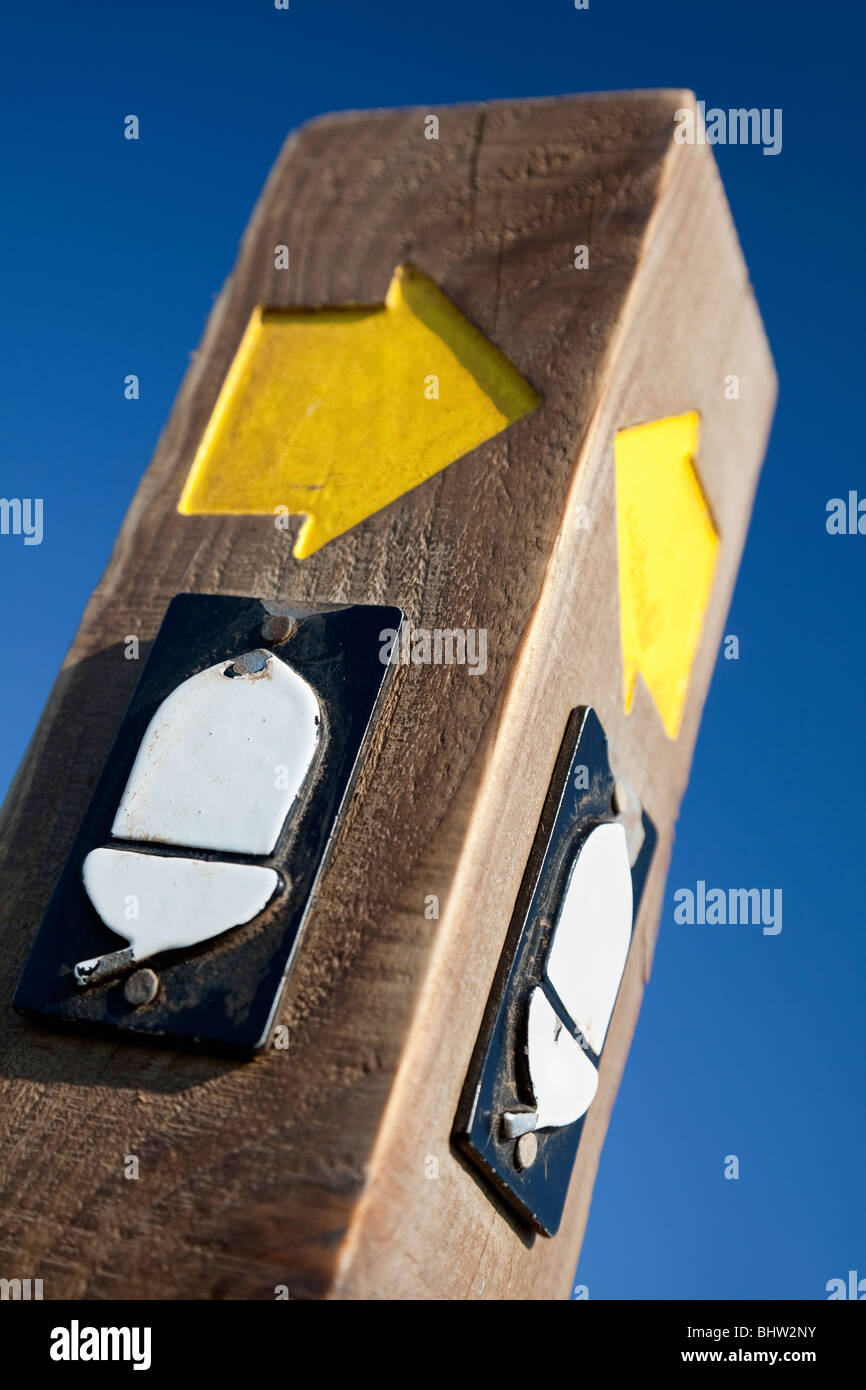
334	413
667	554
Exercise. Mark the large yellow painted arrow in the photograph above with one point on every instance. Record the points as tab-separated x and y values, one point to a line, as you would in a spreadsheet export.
667	555
334	413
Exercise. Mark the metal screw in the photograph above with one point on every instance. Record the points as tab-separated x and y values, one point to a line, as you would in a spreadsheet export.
250	664
278	627
141	987
525	1151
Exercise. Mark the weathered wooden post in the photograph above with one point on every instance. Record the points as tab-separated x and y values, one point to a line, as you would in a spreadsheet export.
463	468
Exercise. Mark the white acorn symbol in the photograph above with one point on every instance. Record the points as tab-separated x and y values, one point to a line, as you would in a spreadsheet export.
203	778
584	964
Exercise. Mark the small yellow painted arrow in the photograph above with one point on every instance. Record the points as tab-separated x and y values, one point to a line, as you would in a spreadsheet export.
334	413
667	555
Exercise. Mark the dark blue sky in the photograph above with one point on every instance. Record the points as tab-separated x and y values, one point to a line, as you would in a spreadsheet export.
113	252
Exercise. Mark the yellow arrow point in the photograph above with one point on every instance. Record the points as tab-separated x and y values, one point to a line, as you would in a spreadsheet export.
334	413
667	554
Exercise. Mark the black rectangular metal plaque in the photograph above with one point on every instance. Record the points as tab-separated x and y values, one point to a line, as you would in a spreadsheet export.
220	993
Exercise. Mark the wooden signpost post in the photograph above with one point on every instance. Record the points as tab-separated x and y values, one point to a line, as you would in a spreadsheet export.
504	372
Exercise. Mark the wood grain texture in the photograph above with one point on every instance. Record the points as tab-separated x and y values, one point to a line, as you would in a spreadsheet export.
307	1167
